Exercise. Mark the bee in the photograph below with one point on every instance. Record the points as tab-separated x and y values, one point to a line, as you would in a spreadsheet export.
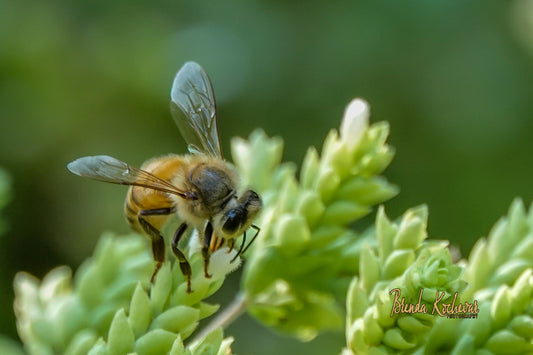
200	187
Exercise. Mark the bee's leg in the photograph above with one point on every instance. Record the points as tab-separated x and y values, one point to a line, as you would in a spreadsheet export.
184	264
240	249
158	244
213	243
220	243
205	249
158	211
257	229
231	244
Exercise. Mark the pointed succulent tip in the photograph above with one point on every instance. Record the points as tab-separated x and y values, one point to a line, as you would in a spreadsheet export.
355	121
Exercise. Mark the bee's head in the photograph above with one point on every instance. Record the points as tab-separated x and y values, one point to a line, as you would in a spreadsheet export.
238	213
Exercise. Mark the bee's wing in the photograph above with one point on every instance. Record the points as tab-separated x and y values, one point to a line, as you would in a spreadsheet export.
194	110
108	169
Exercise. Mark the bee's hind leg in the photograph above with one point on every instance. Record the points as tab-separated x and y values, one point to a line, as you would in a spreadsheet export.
184	264
158	245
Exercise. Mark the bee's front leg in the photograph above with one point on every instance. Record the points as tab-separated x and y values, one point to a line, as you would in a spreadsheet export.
206	254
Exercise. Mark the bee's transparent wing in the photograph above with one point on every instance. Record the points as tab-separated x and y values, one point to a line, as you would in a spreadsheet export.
194	110
108	169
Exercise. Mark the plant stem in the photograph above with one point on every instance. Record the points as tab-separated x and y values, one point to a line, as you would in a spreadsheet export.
227	316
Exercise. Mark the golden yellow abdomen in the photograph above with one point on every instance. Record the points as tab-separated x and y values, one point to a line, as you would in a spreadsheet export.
145	199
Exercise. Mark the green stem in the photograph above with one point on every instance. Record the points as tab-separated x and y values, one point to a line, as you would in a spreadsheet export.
224	318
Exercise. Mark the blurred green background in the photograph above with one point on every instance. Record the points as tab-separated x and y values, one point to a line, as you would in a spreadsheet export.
453	78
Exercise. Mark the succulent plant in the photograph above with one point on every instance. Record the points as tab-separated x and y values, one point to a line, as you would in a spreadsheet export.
309	270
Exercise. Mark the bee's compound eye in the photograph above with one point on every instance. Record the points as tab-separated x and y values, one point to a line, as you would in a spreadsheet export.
234	218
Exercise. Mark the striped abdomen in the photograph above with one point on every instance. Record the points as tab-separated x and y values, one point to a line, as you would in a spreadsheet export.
144	199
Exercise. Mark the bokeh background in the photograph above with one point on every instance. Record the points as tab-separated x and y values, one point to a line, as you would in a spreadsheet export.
454	79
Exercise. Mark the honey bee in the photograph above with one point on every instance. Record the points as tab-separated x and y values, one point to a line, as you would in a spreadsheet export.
200	187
